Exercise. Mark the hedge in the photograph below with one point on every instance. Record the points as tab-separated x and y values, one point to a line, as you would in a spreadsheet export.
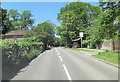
15	52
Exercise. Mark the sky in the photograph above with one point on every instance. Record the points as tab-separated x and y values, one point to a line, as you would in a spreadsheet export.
49	0
41	11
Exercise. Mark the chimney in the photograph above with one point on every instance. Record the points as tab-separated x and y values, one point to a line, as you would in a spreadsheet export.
42	29
20	28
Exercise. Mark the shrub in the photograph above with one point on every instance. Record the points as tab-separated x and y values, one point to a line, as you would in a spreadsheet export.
30	34
15	51
75	44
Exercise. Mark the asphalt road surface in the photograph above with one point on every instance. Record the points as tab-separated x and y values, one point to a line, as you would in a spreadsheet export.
64	64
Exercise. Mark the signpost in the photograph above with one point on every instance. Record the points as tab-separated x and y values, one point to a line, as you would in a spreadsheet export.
81	35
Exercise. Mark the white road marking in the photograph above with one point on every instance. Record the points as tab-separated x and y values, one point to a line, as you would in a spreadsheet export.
58	54
67	73
61	58
57	51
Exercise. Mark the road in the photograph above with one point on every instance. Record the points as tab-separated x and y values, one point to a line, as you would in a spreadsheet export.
64	64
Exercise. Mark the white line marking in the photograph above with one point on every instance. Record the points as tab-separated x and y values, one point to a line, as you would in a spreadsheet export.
67	73
58	54
57	51
61	58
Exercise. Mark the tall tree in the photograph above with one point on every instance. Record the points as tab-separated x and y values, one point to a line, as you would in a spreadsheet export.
75	17
113	7
26	19
113	10
46	32
104	26
14	17
6	23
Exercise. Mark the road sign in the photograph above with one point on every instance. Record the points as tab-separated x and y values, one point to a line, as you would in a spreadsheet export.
81	34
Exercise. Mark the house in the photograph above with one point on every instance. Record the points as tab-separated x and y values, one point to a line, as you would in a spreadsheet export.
16	34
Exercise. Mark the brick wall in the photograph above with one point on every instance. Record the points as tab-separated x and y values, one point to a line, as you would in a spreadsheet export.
111	44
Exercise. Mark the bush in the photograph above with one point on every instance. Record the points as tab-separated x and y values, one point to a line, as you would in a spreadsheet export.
75	44
30	34
18	51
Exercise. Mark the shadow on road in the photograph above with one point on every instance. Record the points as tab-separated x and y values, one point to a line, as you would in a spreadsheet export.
9	71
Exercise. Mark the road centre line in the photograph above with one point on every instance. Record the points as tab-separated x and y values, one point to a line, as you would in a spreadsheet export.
61	58
58	54
67	73
57	51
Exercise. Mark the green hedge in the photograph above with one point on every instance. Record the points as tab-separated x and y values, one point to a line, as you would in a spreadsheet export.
16	52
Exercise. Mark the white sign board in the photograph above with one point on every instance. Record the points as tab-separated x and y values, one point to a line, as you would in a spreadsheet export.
81	34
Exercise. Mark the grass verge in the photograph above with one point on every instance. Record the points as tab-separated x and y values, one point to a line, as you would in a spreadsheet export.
77	49
108	56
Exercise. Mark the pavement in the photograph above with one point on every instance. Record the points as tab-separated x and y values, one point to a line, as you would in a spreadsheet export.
65	64
95	50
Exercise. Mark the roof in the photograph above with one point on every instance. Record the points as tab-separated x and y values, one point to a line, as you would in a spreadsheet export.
18	32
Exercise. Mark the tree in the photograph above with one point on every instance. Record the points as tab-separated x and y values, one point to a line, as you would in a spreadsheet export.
57	42
26	19
46	32
14	17
96	32
103	25
75	17
30	34
112	9
6	23
117	27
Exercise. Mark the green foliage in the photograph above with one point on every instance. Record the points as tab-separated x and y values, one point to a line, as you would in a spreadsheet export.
75	44
32	53
105	26
30	34
57	42
39	38
75	17
14	17
97	23
63	41
46	33
12	20
26	19
111	20
6	22
18	51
